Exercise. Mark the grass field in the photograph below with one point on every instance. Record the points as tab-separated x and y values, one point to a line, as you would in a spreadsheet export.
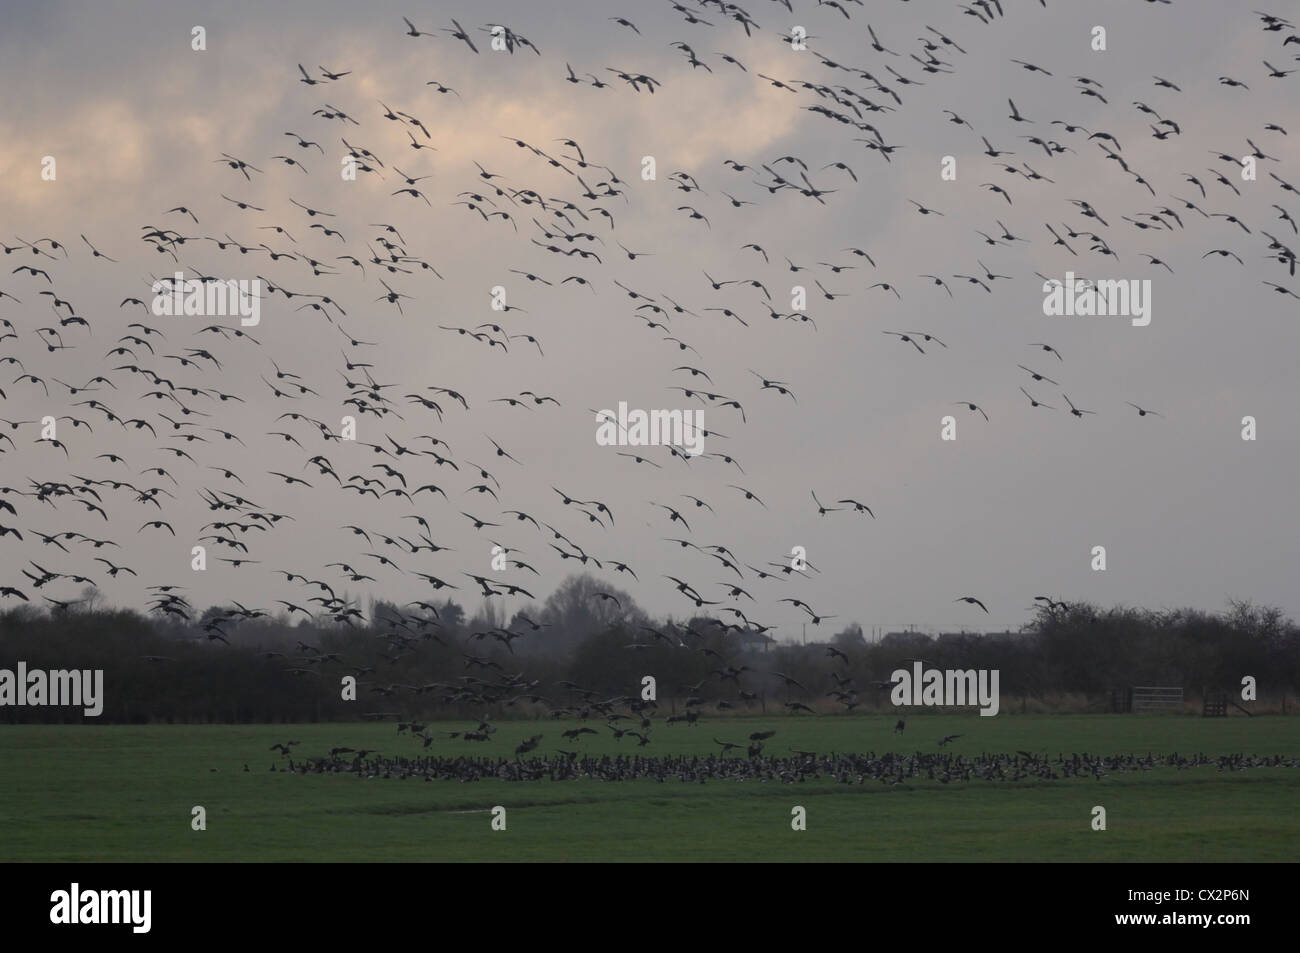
122	793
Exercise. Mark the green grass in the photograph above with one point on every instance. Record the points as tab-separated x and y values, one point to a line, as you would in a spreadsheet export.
123	793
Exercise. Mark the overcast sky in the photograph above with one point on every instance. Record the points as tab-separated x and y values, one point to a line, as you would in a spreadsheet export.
1189	513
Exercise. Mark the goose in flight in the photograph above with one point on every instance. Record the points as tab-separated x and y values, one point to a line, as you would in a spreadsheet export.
412	31
1034	402
1037	376
459	33
1142	412
905	337
1075	411
823	510
858	507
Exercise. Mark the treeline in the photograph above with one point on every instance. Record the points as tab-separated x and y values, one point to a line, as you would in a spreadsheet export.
438	662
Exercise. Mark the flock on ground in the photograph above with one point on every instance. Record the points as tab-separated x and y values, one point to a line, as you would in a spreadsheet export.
889	768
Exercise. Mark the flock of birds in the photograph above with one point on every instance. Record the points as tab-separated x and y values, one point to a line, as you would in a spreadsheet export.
888	768
633	719
163	394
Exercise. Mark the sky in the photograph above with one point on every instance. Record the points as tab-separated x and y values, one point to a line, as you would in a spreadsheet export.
1189	513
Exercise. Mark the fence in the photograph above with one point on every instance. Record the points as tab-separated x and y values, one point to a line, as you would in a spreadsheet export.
1216	705
1154	698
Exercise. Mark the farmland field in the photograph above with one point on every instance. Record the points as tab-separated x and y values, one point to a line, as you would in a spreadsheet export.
125	793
